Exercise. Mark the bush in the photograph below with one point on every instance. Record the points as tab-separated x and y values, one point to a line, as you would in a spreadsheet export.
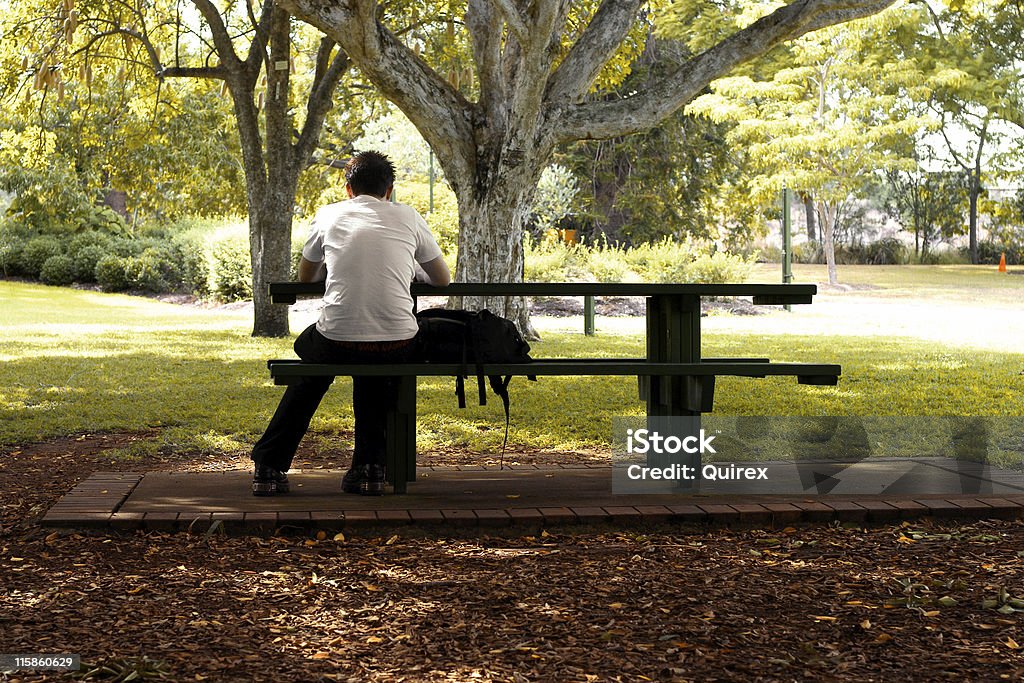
945	257
194	264
989	252
58	270
231	270
11	247
89	239
719	268
85	260
887	252
37	252
154	270
112	273
554	262
808	252
608	264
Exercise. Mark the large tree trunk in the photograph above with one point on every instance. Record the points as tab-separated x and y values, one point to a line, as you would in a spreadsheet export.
270	233
492	214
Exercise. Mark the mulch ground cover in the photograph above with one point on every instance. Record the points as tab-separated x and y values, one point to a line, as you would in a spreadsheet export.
916	602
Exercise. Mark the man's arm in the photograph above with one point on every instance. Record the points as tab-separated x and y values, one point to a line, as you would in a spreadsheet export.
312	271
437	272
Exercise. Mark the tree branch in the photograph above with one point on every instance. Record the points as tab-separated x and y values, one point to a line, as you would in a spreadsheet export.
484	25
437	110
516	24
213	72
592	50
258	48
221	38
321	96
654	102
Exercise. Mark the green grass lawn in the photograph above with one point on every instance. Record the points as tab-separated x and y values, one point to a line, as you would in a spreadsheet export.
78	361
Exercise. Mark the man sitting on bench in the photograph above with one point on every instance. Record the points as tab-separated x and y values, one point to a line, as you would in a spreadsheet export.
367	248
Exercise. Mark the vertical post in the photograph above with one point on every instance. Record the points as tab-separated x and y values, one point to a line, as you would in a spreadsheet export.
787	239
588	316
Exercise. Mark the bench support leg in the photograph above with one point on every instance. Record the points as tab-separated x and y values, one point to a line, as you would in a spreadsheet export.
401	444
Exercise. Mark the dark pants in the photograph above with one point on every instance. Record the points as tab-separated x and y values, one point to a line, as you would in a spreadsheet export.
371	398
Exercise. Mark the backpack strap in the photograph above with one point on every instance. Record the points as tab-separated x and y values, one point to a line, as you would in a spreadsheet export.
460	390
499	385
480	386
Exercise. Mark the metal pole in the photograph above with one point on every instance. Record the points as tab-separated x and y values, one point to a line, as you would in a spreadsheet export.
787	239
588	316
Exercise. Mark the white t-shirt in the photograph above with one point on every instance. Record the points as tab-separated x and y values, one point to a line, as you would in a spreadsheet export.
371	247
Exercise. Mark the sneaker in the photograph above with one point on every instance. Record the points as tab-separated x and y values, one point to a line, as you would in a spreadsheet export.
353	480
373	483
266	481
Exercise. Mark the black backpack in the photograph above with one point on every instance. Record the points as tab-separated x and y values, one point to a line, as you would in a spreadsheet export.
472	338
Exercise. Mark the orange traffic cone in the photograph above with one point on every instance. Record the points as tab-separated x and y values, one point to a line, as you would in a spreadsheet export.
1002	262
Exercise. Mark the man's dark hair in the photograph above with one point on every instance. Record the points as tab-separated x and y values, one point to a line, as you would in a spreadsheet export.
370	173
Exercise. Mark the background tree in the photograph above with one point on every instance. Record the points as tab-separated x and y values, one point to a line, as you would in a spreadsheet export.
679	179
974	49
251	51
826	122
535	67
928	203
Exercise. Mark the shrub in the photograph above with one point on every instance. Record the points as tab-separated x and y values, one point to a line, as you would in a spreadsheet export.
719	268
112	273
89	239
104	219
989	252
554	262
608	264
154	270
11	248
231	270
808	252
945	257
58	270
125	247
85	260
888	251
37	252
194	264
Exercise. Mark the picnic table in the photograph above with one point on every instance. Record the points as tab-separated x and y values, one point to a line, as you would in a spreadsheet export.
675	379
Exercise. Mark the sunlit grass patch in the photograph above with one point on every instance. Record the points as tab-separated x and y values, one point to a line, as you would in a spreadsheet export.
79	361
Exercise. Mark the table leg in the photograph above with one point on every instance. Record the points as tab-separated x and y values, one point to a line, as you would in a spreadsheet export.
673	336
674	404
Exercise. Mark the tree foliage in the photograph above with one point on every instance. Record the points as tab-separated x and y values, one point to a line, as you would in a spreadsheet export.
826	121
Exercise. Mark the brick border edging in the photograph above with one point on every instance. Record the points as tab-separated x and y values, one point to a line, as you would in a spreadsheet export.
95	502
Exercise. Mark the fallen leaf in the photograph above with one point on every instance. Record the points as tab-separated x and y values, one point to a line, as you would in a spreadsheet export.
1012	644
340	537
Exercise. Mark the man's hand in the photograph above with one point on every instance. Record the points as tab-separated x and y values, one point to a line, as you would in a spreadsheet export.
437	272
312	271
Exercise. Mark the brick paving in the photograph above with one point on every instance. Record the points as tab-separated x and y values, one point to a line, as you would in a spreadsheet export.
461	498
